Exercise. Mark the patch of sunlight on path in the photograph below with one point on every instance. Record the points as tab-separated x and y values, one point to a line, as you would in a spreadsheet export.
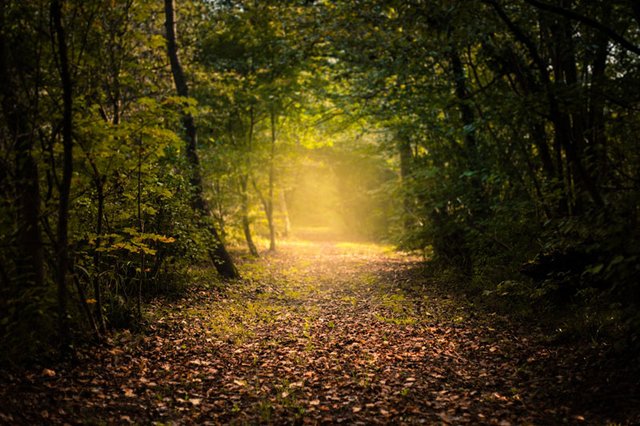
323	331
327	330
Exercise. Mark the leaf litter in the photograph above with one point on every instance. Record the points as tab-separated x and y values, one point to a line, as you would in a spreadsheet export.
323	333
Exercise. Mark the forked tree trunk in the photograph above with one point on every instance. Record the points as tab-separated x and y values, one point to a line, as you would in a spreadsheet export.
219	254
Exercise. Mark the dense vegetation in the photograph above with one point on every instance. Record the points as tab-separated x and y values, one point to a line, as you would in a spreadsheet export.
139	138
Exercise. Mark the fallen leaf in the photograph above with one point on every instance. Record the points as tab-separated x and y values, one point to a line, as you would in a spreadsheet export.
48	373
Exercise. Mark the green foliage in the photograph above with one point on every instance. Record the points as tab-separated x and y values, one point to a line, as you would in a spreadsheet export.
132	230
514	157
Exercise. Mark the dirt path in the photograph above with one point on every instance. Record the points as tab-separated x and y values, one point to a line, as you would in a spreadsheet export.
316	333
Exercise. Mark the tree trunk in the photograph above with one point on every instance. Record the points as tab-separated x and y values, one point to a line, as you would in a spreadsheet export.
97	290
466	112
479	207
406	157
62	243
244	206
244	184
219	254
269	204
285	214
218	209
30	252
569	122
596	116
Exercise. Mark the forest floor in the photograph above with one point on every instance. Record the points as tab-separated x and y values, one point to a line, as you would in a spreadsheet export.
324	332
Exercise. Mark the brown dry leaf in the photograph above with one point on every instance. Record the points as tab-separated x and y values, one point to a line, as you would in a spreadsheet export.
48	372
346	366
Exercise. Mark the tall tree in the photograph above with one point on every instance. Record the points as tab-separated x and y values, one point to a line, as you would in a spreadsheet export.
62	233
220	256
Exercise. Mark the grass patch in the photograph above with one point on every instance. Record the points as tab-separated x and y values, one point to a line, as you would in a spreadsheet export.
398	310
236	321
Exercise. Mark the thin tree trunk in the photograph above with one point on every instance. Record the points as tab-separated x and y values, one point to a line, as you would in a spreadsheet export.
244	183
97	290
478	205
596	116
570	121
467	116
466	112
141	276
219	210
406	156
219	254
269	204
553	106
85	307
246	225
285	214
62	243
99	181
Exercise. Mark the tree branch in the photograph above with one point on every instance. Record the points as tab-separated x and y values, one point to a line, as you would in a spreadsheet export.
567	13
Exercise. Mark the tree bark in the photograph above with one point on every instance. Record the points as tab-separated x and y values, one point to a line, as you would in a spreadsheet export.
560	119
597	147
269	204
219	254
467	117
62	232
285	214
244	184
466	112
97	290
406	158
244	207
604	29
569	121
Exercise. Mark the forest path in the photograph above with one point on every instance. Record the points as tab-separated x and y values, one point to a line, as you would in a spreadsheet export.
318	332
